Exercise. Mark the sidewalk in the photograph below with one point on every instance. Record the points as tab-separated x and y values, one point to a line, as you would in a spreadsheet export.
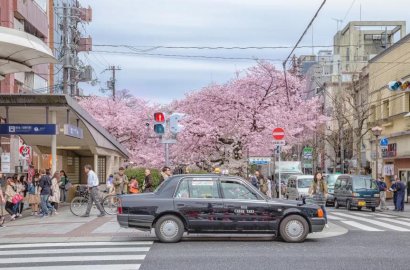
65	227
390	205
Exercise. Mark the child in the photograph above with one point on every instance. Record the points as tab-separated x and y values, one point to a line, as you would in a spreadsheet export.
133	186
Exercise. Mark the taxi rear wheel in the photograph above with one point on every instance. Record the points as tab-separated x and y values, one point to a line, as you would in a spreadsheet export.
169	229
294	229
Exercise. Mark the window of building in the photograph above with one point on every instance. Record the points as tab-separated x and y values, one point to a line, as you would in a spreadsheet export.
386	108
372	115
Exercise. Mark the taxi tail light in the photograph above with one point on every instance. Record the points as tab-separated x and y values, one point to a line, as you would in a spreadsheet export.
319	212
119	207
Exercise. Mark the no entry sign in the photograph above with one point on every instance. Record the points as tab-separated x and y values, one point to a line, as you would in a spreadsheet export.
278	134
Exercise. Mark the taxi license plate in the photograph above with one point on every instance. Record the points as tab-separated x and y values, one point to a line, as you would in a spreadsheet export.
362	203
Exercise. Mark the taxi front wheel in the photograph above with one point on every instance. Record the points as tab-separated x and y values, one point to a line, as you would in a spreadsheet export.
169	229
294	229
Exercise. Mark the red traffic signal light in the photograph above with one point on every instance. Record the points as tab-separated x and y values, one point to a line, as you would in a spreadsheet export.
159	117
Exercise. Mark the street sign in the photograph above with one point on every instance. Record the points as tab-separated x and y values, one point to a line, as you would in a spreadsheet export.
278	134
308	153
280	142
384	142
73	131
260	160
28	129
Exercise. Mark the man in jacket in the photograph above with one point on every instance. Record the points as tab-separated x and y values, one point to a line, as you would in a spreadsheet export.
121	182
165	174
263	183
382	188
401	191
92	183
45	185
147	185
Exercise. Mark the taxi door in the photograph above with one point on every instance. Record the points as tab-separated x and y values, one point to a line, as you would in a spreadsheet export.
244	209
199	202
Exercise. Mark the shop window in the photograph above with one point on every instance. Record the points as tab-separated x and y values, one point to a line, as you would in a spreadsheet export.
102	175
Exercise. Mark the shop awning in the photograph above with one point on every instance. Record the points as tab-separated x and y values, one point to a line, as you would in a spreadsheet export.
20	51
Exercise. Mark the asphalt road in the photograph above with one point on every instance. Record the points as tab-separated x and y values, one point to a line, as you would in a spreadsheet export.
354	250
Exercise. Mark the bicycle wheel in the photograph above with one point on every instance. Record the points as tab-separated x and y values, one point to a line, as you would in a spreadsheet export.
78	206
110	204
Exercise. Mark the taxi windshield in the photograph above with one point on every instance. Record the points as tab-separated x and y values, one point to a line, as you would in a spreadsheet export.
304	182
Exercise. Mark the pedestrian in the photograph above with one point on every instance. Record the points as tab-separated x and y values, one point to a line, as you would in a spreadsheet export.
147	184
92	183
165	174
133	186
262	183
45	185
121	182
13	199
32	198
254	181
110	184
37	191
20	188
2	202
401	191
382	189
55	192
394	190
318	191
64	185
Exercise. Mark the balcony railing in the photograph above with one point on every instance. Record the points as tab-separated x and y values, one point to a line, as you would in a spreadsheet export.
33	14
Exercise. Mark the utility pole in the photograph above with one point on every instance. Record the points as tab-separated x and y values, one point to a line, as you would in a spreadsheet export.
111	84
66	50
342	149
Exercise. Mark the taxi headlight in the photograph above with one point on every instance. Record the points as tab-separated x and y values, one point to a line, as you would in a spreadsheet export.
376	195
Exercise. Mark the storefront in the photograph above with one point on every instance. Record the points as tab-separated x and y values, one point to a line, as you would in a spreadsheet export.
76	139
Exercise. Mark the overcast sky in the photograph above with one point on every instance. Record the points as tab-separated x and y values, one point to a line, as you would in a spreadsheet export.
159	75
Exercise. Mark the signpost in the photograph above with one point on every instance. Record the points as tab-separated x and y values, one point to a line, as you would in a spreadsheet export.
260	160
384	142
73	131
28	129
278	135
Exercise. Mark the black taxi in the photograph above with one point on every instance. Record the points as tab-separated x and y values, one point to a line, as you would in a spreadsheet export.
216	204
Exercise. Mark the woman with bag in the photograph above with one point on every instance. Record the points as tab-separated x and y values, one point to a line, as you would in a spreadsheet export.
13	199
20	188
32	197
2	202
318	192
64	185
55	191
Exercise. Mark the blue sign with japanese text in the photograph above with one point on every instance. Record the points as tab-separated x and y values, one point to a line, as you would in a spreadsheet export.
28	129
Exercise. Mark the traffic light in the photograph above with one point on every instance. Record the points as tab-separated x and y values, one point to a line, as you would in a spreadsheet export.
159	123
174	125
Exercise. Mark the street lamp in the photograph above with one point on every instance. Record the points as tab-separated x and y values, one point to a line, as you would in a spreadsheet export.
377	131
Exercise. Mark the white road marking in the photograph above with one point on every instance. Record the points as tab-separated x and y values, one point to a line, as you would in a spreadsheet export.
76	250
332	217
361	226
405	223
82	267
76	244
405	219
360	214
96	257
375	222
384	215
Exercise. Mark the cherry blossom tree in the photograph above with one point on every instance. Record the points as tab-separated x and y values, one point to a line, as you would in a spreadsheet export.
223	122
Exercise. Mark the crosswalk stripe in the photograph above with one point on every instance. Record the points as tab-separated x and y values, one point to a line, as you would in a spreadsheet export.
82	267
76	244
374	222
360	214
361	226
405	223
97	258
76	250
332	217
384	215
406	219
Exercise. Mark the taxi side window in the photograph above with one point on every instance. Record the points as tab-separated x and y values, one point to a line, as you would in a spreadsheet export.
183	190
206	189
235	190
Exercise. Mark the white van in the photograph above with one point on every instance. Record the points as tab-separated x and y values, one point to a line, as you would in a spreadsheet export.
298	186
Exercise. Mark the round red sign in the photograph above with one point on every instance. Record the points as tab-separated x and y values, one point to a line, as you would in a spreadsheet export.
278	133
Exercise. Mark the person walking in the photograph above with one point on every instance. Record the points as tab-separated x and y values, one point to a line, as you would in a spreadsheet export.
147	184
12	204
318	191
254	181
401	191
92	183
32	198
110	184
64	185
121	182
45	185
165	174
55	192
382	188
2	202
20	187
393	188
263	183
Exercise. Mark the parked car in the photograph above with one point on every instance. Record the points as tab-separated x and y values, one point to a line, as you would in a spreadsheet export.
216	204
331	180
356	191
298	186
